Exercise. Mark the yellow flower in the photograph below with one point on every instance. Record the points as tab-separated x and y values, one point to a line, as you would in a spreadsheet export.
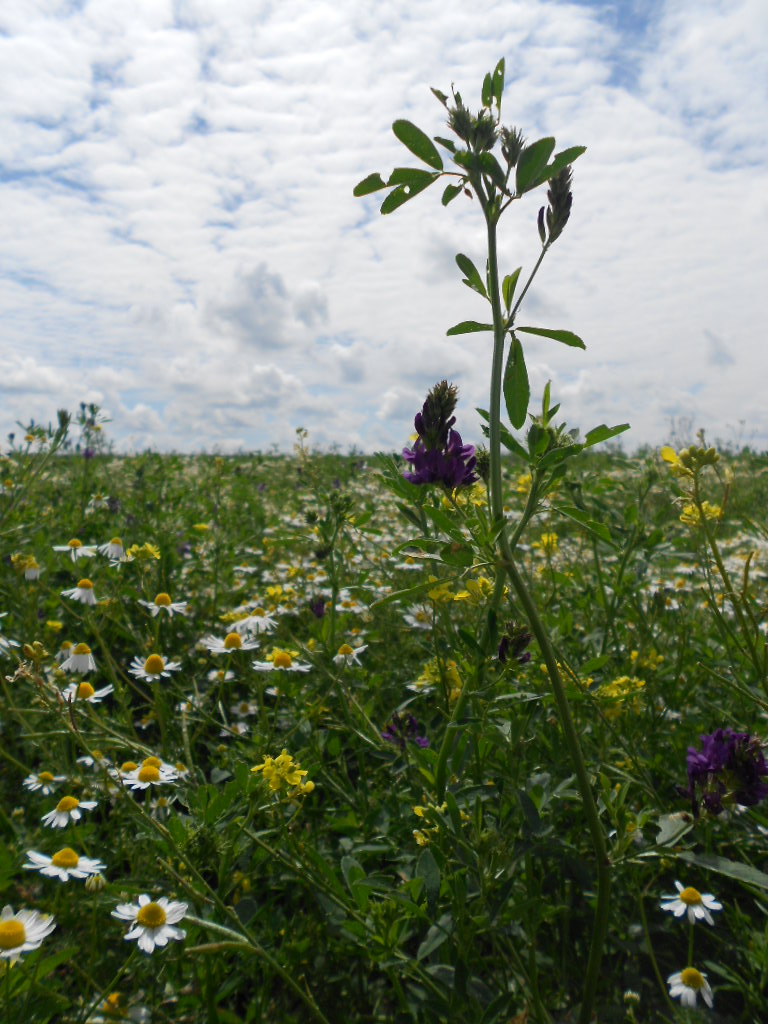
142	552
476	591
691	514
283	770
441	594
547	543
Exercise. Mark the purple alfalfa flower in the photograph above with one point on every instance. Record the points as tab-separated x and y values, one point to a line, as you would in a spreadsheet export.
404	728
729	768
317	607
439	455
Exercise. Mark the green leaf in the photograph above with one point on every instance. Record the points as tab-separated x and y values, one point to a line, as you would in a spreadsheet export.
531	163
426	868
450	193
507	439
517	390
457	554
673	827
603	433
440	95
471	274
491	166
412	176
468	327
448	143
487	94
566	337
444	522
498	82
599	530
560	161
418	143
730	868
508	286
370	184
416	182
435	937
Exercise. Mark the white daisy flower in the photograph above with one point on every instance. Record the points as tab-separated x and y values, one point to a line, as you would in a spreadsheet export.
153	667
220	675
278	659
67	810
151	772
43	781
22	932
244	709
32	570
256	621
64	864
96	760
691	902
5	643
163	603
83	592
76	549
153	922
419	616
231	642
80	660
687	984
349	655
84	691
113	550
235	729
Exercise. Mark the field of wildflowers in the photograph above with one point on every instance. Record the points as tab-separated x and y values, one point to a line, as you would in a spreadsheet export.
446	735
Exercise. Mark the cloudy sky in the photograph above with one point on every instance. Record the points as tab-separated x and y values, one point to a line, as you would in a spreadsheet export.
179	242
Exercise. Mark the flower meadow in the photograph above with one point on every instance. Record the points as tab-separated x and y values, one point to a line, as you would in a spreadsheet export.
473	731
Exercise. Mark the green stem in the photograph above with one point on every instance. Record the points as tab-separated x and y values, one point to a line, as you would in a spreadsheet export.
539	631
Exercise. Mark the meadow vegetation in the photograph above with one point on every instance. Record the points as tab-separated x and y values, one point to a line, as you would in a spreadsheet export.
462	733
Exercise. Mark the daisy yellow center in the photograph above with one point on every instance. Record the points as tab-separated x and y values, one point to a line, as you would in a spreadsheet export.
84	585
690	896
45	777
116	540
128	766
81	649
148	773
245	707
12	934
154	665
66	804
66	645
233	641
282	659
346	650
692	978
74	543
151	915
155	762
65	858
84	691
163	600
98	756
258	613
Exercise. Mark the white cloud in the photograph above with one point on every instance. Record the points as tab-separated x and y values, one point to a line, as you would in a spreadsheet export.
180	237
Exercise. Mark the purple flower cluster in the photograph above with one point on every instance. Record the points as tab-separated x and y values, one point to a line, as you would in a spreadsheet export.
439	455
403	728
729	768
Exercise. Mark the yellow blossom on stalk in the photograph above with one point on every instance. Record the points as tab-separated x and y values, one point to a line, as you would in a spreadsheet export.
142	552
623	691
547	543
201	527
691	514
441	594
283	770
476	591
523	484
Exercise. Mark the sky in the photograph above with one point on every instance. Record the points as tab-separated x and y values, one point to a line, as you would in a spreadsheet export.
180	245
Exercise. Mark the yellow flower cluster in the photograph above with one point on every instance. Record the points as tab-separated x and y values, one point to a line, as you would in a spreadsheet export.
624	690
475	591
692	514
547	543
434	673
284	771
142	552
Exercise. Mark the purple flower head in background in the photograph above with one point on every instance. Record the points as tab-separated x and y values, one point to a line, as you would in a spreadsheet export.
439	455
729	768
402	728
